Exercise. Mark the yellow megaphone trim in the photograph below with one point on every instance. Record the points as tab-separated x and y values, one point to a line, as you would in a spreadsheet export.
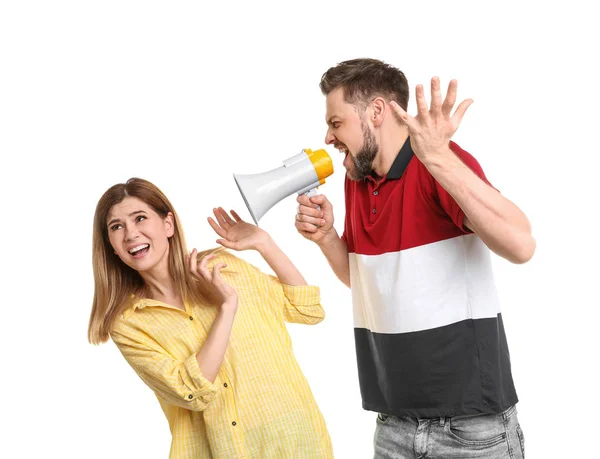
322	163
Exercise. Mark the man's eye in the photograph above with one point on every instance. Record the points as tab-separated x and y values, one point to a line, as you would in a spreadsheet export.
336	125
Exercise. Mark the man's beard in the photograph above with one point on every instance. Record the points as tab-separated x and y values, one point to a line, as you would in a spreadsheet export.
363	161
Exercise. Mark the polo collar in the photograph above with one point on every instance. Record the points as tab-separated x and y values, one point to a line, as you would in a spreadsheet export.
401	162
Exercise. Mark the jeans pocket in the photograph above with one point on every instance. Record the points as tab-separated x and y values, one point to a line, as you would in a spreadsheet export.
383	418
521	439
478	431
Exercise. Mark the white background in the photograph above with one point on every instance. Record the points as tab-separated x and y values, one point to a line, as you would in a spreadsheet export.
183	94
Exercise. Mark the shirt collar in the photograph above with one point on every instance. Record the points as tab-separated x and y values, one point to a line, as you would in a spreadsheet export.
144	302
401	162
141	304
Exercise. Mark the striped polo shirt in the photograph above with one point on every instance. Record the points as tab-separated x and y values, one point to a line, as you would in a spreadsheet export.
428	329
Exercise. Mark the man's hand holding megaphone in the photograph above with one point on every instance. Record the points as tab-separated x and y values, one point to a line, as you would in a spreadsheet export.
314	219
302	174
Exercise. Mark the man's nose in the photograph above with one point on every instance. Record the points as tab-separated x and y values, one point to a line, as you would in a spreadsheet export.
329	138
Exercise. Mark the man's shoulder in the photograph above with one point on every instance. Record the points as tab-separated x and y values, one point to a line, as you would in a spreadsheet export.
463	154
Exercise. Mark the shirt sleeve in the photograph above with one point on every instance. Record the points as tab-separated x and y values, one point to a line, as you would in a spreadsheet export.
347	217
443	198
178	382
301	303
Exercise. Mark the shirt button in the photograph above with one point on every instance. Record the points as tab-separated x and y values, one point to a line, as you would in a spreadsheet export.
375	193
225	385
374	211
233	423
190	396
191	318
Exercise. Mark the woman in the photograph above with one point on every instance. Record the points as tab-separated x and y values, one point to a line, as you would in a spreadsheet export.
206	333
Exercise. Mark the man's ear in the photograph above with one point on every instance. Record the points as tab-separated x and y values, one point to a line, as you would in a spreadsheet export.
379	108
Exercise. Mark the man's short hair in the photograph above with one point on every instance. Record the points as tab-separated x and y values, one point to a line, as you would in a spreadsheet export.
364	79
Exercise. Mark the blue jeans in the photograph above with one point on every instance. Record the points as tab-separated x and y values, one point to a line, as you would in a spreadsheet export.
485	436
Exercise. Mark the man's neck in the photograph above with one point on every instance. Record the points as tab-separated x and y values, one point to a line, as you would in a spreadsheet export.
390	144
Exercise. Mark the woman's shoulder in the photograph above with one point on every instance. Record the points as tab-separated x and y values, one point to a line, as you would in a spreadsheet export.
124	317
233	262
139	322
238	270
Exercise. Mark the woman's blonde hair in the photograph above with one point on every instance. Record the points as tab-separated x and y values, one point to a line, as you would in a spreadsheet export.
116	285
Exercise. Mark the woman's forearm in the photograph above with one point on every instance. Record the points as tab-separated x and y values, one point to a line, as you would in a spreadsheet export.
211	355
281	265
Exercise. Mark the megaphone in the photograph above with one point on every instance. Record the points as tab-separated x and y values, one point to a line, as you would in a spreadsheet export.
302	173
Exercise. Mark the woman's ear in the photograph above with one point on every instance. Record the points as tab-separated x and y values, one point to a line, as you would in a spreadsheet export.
170	224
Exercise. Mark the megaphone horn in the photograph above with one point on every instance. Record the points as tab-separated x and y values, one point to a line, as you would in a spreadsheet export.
302	173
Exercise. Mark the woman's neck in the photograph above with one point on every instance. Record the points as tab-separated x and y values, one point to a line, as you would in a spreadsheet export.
161	286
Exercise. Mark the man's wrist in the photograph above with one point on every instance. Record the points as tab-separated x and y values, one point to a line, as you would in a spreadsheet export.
330	237
444	160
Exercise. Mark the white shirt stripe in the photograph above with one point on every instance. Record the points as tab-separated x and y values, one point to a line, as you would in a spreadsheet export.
425	287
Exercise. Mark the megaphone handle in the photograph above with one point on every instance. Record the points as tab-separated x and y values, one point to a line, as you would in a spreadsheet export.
313	192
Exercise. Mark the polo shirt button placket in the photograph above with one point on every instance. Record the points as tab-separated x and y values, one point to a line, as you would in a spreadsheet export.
373	203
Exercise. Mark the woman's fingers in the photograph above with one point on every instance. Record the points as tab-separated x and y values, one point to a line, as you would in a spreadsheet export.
216	273
220	231
226	217
203	267
238	219
220	217
192	260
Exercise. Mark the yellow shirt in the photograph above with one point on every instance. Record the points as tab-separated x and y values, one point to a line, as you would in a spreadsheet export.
260	405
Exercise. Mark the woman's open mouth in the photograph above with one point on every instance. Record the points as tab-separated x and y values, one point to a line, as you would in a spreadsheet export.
140	250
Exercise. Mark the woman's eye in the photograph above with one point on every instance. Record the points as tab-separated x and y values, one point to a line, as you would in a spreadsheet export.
115	227
140	218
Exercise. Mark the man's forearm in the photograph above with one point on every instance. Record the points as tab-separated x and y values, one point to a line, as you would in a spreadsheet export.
336	252
500	224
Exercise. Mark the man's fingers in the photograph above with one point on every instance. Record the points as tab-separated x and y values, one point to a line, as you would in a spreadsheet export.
320	200
306	227
436	96
310	211
399	111
450	98
318	222
422	107
305	200
405	118
460	112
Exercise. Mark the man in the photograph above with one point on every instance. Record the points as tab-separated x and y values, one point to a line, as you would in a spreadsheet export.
420	220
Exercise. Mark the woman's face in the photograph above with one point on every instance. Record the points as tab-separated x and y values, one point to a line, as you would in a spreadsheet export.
139	235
